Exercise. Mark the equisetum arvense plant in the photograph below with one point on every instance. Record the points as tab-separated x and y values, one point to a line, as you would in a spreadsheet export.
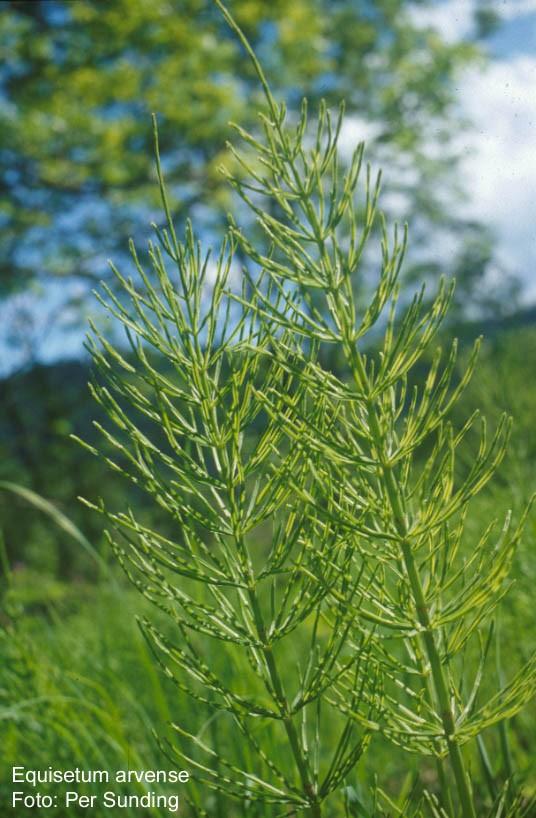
318	518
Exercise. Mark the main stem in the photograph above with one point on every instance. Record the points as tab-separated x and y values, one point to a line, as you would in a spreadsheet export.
315	809
429	639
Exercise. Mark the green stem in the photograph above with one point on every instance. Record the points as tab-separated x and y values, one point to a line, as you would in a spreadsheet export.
440	685
276	683
429	639
315	810
503	725
275	686
444	786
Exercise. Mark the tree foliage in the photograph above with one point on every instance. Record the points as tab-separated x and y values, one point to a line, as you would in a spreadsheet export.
80	80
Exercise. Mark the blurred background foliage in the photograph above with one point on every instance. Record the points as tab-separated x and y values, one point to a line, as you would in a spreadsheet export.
79	81
77	85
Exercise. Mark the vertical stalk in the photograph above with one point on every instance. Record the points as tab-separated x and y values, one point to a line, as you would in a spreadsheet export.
503	725
302	764
347	314
282	701
440	684
275	687
429	640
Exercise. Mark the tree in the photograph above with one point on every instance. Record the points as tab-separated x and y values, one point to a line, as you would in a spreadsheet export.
81	78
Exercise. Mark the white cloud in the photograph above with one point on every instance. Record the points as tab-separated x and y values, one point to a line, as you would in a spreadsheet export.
500	158
453	19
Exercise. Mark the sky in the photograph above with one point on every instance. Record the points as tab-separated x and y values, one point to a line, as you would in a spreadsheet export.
498	165
499	152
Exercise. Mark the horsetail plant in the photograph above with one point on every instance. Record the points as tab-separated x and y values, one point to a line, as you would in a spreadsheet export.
314	542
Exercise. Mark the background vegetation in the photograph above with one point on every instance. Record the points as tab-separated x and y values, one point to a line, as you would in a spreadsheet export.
77	177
